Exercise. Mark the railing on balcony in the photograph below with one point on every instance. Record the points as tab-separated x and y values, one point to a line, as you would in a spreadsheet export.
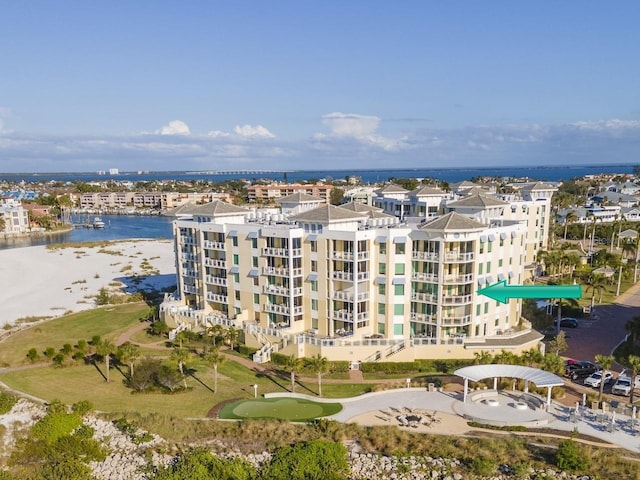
458	256
423	318
433	256
466	278
190	289
212	280
208	244
282	309
349	296
455	321
216	297
187	240
212	262
188	256
280	290
456	299
349	276
424	277
189	273
349	256
424	297
282	271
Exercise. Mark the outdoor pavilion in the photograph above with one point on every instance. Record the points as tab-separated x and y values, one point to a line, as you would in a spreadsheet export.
540	378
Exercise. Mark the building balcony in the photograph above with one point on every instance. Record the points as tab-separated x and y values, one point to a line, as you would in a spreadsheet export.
281	252
188	256
187	240
189	273
424	297
209	245
467	278
282	309
456	299
349	256
217	298
213	280
425	277
347	316
190	289
347	296
349	276
280	290
212	262
458	257
423	318
430	256
282	271
455	321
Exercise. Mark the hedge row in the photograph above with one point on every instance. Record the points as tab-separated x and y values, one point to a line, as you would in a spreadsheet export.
417	366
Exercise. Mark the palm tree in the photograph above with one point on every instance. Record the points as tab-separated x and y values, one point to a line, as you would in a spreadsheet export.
629	248
128	353
105	348
292	364
633	328
215	358
605	361
215	332
319	365
181	356
231	335
596	284
482	358
570	217
634	364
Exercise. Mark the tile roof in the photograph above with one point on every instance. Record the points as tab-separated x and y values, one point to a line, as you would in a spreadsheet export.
217	207
427	190
453	221
391	188
328	213
300	197
478	201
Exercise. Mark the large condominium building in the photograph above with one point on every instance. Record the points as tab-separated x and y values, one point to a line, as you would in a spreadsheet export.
355	283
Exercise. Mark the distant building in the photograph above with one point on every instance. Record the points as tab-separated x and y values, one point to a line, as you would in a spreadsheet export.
114	171
16	218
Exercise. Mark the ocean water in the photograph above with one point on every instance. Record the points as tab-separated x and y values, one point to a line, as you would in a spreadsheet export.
452	175
117	227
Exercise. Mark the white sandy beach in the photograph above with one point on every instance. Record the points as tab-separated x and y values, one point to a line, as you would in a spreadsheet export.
42	282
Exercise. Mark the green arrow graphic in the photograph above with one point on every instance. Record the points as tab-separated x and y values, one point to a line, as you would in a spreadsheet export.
501	291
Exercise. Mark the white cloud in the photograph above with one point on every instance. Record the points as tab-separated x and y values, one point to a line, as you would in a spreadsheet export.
218	134
175	127
351	124
249	131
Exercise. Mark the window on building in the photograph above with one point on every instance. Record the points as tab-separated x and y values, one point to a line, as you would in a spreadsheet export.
381	328
478	310
254	243
314	266
398	329
480	269
486	307
398	289
236	277
400	249
314	285
383	248
399	269
235	258
382	308
481	247
314	304
254	261
382	268
489	247
256	298
235	241
500	262
501	242
488	267
237	294
314	246
382	290
398	309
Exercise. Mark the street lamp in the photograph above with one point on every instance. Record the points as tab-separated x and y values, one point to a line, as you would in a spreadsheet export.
255	390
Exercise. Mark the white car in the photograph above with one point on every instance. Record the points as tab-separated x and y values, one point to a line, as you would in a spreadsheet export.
595	378
622	386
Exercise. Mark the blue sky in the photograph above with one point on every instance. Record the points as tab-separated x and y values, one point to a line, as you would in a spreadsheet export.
205	85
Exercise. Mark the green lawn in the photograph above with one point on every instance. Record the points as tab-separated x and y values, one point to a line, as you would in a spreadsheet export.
279	408
107	321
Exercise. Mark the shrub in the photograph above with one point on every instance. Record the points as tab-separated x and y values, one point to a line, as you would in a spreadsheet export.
569	457
82	407
54	426
314	460
7	401
249	351
483	466
33	355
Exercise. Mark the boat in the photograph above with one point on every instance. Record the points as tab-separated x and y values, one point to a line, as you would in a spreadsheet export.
98	223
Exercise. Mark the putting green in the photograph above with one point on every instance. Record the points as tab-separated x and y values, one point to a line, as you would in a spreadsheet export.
279	408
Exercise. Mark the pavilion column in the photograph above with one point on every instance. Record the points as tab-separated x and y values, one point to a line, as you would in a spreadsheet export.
526	386
495	383
466	389
548	398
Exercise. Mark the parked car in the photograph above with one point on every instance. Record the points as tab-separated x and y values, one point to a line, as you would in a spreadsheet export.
567	322
595	378
581	369
622	386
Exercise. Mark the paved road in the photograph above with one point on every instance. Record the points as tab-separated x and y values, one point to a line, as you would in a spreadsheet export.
601	335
